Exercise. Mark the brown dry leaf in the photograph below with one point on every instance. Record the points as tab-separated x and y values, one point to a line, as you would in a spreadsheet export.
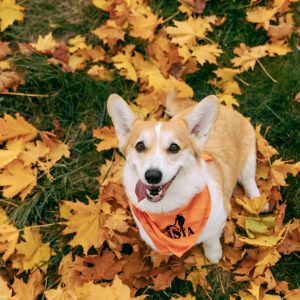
143	24
10	80
196	6
86	222
207	53
291	241
95	268
5	50
247	57
45	45
109	33
9	13
30	290
108	137
17	179
16	127
9	236
100	73
281	32
261	15
114	192
33	252
5	291
187	32
297	97
123	62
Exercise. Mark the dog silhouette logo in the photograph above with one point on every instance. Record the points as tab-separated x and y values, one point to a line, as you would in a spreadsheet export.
178	230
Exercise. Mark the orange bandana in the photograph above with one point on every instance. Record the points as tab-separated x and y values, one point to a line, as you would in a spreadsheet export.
177	231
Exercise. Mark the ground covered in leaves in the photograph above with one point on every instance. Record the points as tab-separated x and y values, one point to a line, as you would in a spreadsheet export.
66	231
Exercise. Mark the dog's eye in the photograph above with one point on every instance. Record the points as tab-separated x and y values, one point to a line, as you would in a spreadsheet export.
173	148
140	147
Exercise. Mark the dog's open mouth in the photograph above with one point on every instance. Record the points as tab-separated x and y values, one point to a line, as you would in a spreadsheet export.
153	193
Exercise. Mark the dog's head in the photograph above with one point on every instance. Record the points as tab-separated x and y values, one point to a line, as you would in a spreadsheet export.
159	153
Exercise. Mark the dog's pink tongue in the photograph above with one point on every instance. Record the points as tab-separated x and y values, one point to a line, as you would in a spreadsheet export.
141	190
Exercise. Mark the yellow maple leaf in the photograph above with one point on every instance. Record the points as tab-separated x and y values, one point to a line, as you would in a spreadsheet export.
30	290
33	152
100	73
108	137
122	61
280	169
17	179
117	220
269	259
110	32
279	48
45	44
33	252
228	100
261	15
247	57
87	223
3	216
293	295
143	24
187	32
226	81
117	290
77	43
102	4
16	127
9	13
253	206
5	291
254	289
9	236
60	294
7	156
77	61
207	53
264	240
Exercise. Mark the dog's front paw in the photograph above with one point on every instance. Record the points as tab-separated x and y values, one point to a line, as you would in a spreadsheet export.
214	257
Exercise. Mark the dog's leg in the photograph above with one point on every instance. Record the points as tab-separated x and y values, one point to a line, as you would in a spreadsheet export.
247	178
213	249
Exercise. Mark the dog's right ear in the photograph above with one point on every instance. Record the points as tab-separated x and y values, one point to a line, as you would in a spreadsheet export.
122	117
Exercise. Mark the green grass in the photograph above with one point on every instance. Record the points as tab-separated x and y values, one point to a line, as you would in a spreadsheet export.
76	98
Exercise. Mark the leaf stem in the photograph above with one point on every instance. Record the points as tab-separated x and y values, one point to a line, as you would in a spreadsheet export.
266	72
28	95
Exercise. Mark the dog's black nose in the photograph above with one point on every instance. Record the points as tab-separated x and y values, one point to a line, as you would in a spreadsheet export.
153	176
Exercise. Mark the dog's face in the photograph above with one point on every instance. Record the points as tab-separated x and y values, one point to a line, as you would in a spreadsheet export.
159	152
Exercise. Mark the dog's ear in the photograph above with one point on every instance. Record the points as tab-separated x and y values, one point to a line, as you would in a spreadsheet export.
122	117
202	117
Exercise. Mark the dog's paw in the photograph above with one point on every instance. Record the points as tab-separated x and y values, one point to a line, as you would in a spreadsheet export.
214	257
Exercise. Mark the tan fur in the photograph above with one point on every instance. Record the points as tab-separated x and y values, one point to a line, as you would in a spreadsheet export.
230	142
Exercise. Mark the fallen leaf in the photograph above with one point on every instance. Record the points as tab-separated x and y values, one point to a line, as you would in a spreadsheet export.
7	156
5	50
100	73
45	44
30	290
108	137
33	252
16	127
228	100
261	15
77	43
207	53
5	291
253	206
60	294
17	179
87	223
9	236
9	13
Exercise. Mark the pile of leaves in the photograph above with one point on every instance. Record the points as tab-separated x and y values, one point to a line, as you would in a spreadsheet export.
106	256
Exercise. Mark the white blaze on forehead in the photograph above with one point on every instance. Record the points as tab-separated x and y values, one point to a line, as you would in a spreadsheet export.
157	131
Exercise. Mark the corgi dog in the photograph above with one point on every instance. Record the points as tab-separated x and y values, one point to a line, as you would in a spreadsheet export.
179	175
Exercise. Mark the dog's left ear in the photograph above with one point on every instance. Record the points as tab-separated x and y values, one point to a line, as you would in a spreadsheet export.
202	117
122	117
